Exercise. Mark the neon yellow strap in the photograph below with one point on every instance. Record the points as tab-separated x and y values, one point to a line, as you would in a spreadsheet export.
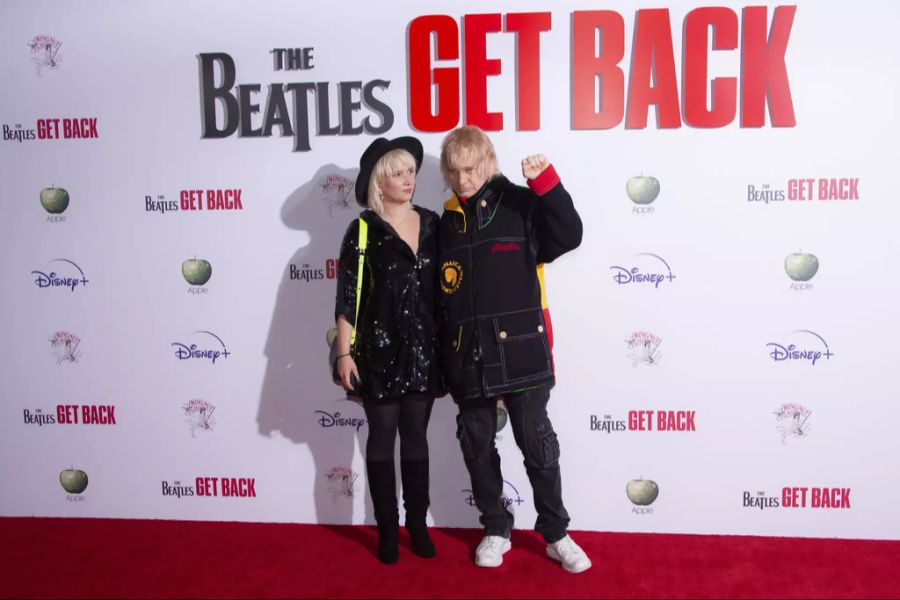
363	239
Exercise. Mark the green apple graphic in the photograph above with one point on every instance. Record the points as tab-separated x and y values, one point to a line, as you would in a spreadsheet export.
73	481
196	271
642	491
54	200
502	418
642	189
801	266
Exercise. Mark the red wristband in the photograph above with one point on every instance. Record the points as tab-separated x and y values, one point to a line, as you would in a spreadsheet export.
544	182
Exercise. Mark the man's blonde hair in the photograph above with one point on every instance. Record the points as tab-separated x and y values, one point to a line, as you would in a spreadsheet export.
387	165
471	146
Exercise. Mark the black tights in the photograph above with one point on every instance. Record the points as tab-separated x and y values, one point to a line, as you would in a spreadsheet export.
410	415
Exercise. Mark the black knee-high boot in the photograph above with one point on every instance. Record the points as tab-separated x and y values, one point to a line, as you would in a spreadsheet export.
383	487
414	474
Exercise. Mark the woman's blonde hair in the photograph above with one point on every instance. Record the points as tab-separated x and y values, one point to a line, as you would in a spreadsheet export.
387	165
469	145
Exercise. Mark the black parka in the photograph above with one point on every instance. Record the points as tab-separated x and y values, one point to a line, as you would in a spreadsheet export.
495	333
395	348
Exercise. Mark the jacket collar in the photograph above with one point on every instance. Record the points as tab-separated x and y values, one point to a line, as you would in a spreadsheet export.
372	218
490	192
484	200
453	204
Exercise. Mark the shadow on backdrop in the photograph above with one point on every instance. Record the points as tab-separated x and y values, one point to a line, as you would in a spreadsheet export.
298	399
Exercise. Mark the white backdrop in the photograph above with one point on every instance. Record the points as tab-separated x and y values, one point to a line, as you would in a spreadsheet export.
765	436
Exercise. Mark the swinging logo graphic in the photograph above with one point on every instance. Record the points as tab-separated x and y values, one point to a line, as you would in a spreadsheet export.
792	421
64	347
45	51
199	415
341	483
643	348
336	191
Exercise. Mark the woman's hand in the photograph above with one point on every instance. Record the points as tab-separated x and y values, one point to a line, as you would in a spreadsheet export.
346	367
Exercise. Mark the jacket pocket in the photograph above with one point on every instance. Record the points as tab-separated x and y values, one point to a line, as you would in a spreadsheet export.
454	346
524	351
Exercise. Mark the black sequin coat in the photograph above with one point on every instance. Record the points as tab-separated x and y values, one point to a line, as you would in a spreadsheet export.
396	344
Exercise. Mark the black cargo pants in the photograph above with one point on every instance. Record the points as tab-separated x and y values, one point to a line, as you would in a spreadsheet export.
476	430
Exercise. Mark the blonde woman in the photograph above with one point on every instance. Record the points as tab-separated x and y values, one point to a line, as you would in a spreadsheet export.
392	365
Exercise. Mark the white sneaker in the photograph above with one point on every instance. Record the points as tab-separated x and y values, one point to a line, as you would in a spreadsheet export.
491	550
570	554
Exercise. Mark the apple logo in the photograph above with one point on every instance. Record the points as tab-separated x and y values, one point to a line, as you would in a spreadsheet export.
196	271
643	189
801	266
73	481
642	491
54	200
502	418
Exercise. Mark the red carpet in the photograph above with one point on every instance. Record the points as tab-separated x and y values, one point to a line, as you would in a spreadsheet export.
112	558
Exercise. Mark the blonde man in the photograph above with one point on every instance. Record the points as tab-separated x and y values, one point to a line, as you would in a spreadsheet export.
495	332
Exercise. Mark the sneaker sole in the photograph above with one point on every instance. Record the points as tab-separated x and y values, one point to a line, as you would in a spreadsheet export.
504	550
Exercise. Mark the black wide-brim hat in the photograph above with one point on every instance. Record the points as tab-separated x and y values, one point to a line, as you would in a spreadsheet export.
373	154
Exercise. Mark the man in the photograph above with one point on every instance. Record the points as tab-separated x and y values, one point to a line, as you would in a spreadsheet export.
496	336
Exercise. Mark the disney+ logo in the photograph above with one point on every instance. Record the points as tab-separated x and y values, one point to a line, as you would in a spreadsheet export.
195	351
54	279
652	273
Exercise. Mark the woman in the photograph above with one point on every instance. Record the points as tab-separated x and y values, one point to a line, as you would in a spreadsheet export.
392	366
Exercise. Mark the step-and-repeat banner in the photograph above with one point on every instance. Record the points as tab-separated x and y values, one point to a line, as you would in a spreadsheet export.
177	177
